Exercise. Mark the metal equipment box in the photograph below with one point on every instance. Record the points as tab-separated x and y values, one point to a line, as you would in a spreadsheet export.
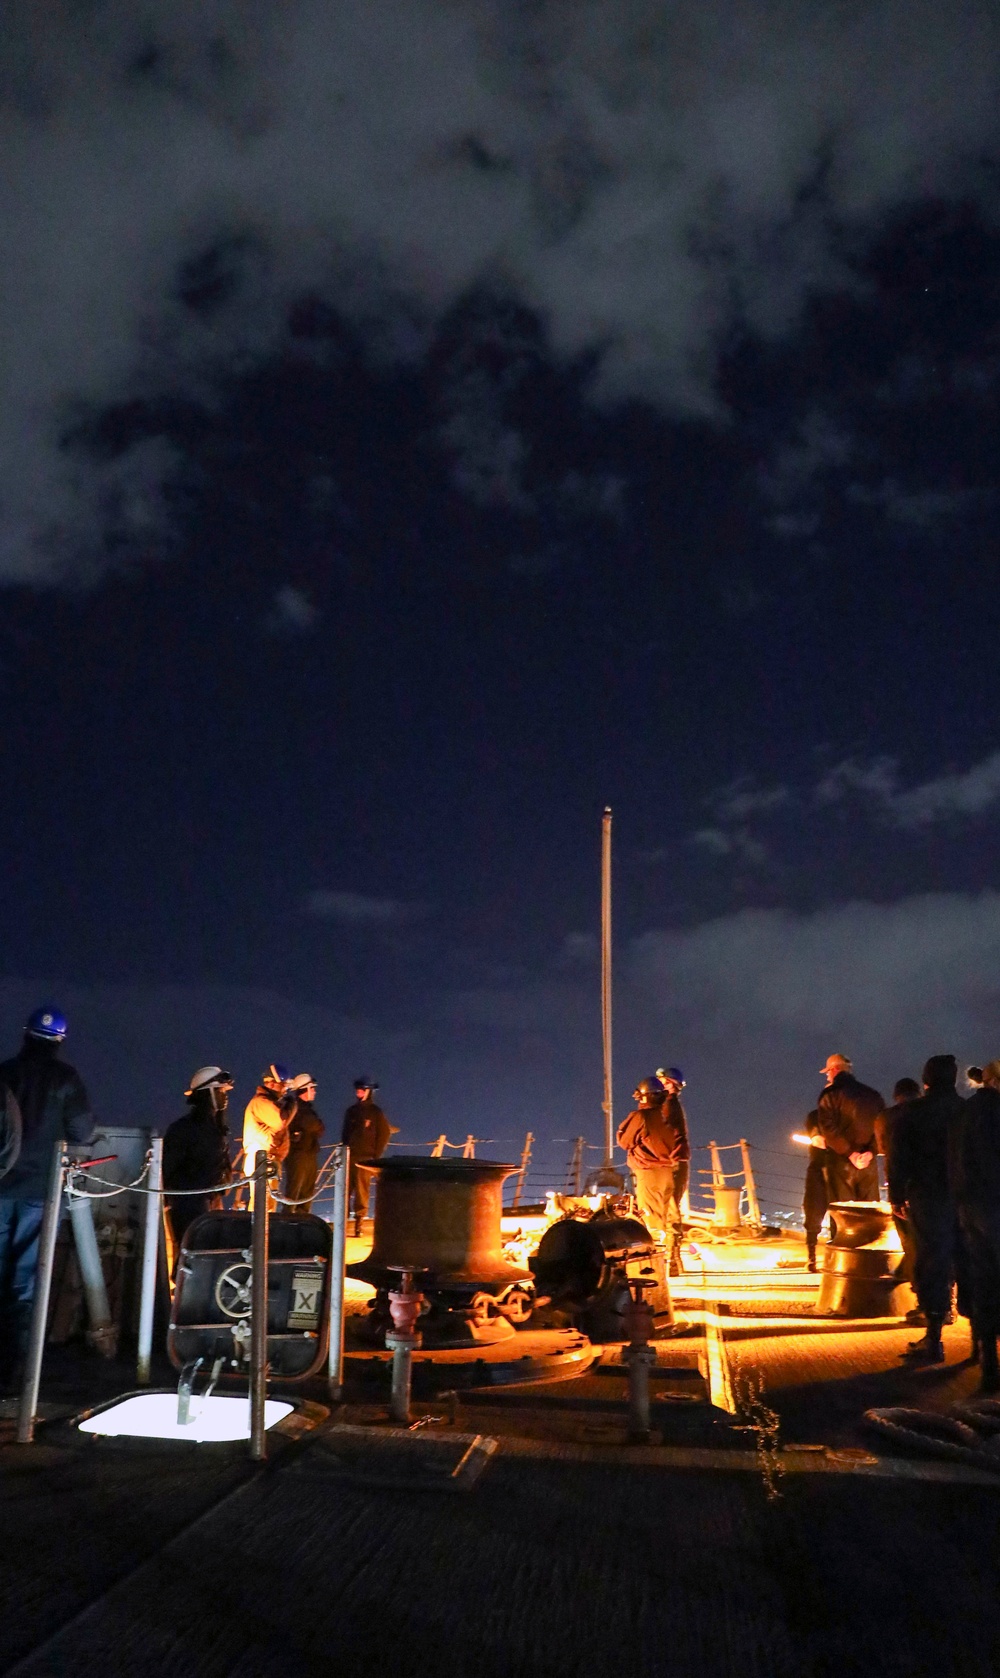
210	1314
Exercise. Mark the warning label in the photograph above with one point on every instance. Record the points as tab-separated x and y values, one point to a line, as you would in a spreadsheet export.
307	1293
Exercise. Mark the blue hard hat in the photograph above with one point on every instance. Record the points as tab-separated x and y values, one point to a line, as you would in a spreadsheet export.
277	1073
673	1073
48	1023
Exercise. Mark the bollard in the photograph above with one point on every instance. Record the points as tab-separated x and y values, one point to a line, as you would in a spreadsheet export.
258	1310
150	1257
640	1358
40	1303
102	1334
338	1254
403	1339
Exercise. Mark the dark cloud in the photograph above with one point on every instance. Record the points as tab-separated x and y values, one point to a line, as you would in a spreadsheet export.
178	178
957	795
737	843
292	612
355	909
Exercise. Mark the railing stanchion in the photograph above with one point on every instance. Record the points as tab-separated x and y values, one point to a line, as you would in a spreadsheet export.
338	1254
40	1303
150	1258
753	1205
258	1310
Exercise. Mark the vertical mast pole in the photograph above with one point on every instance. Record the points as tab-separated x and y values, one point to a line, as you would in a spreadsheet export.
606	980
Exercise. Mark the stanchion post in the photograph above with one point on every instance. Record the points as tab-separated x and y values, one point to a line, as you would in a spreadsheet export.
522	1172
258	1310
150	1258
640	1358
102	1333
40	1304
338	1256
753	1204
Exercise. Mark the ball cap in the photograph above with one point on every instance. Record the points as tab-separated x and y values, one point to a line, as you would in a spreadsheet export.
47	1022
837	1063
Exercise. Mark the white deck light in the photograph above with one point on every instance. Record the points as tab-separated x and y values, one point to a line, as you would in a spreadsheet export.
215	1420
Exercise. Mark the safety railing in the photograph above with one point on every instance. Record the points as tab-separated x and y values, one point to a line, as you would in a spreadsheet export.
76	1184
727	1197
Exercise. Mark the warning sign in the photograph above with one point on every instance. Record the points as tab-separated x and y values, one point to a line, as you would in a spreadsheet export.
307	1294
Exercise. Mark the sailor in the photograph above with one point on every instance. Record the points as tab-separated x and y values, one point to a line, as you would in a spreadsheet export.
815	1195
846	1114
903	1090
974	1172
919	1192
53	1104
673	1081
654	1136
265	1122
305	1129
196	1152
366	1132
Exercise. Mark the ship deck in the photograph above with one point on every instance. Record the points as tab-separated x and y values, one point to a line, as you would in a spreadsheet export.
761	1532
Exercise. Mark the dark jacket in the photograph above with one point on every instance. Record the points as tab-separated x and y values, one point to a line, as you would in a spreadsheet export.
11	1131
846	1113
196	1149
974	1154
305	1130
656	1135
53	1104
366	1131
917	1162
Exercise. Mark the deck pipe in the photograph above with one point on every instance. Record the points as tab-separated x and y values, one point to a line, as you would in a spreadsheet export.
40	1302
403	1339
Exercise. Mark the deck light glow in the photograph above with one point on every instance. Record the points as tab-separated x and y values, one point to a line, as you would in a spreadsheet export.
216	1419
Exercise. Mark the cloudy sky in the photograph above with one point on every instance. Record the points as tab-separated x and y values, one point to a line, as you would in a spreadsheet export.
425	422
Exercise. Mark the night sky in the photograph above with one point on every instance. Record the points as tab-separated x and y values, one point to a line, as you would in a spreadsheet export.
426	424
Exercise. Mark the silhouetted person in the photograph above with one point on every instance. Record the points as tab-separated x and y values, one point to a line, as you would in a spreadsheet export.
673	1081
815	1194
920	1192
845	1114
305	1132
196	1151
975	1179
654	1136
53	1104
903	1090
366	1132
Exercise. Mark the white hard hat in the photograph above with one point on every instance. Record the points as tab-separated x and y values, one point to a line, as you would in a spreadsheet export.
206	1076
